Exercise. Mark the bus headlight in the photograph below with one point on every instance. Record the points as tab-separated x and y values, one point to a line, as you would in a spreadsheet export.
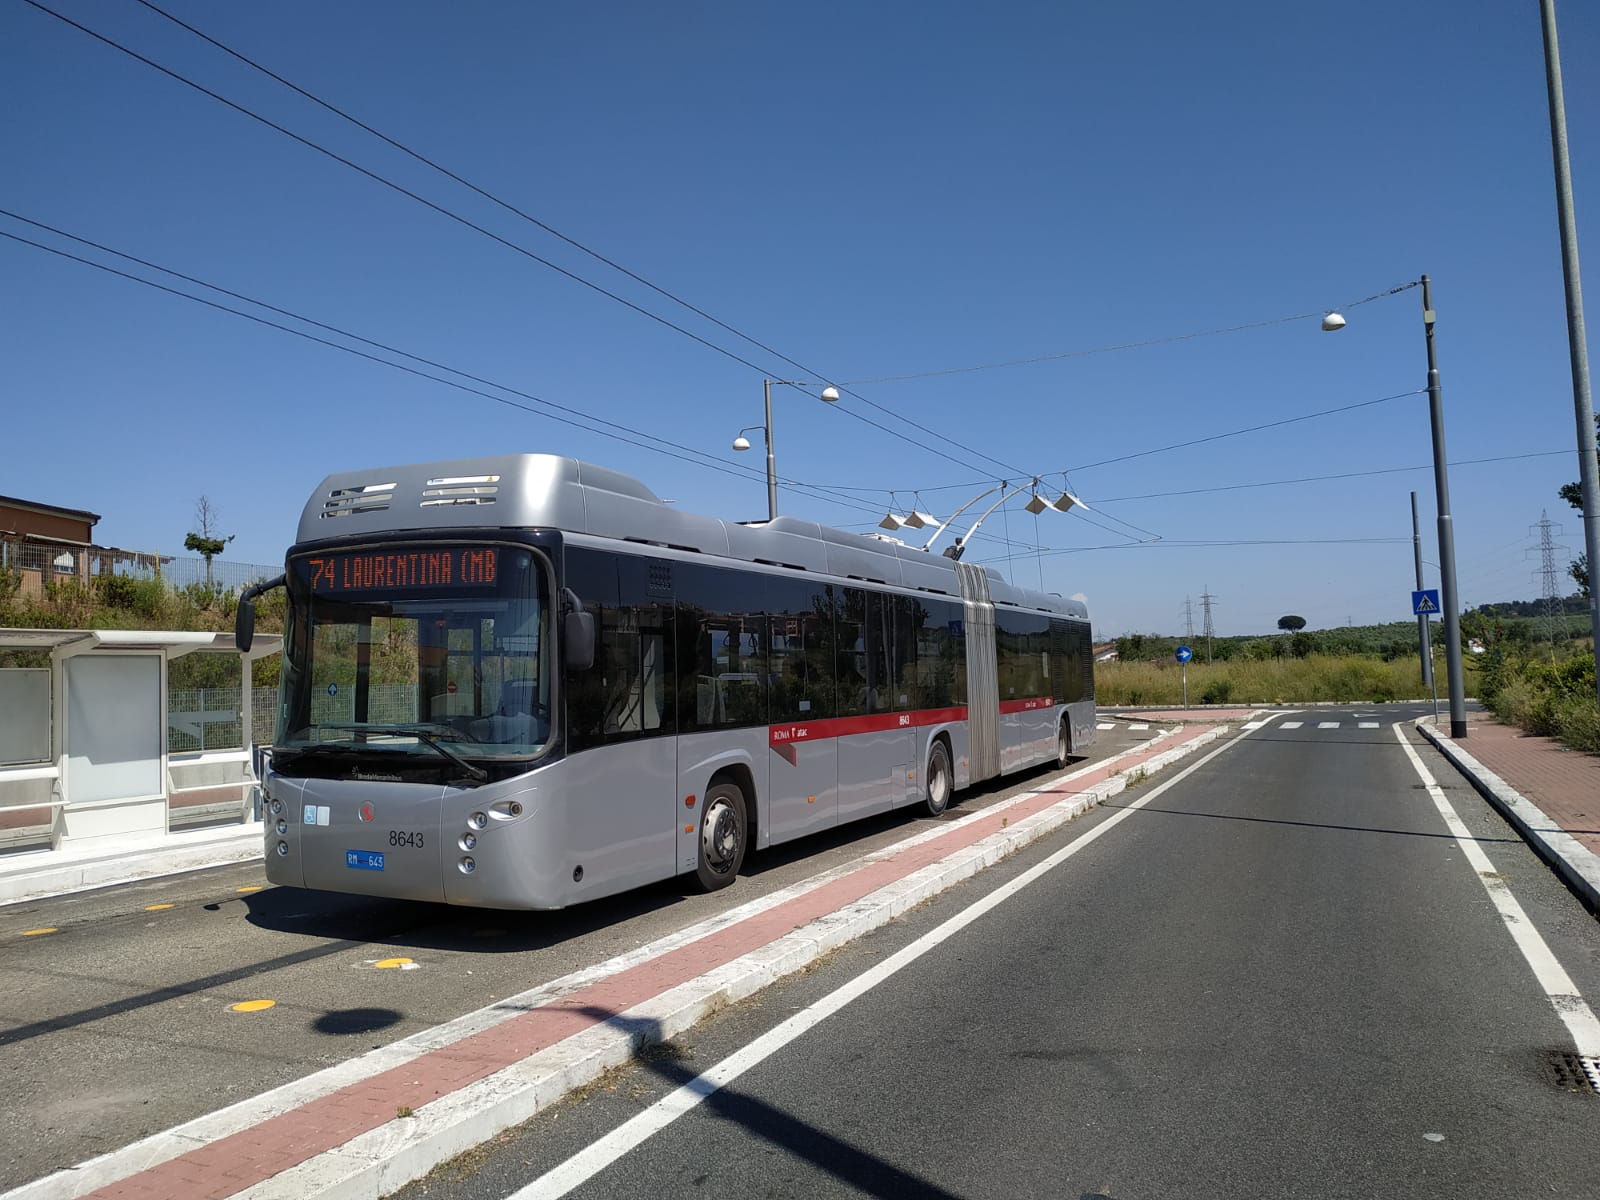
283	849
477	820
277	808
468	866
283	828
469	841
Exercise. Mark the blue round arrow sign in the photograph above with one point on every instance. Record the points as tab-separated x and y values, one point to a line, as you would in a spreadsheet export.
1184	654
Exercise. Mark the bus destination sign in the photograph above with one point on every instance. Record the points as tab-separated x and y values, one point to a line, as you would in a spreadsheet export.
446	567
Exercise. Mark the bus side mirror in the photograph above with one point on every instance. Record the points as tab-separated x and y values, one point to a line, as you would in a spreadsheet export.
580	640
244	621
244	624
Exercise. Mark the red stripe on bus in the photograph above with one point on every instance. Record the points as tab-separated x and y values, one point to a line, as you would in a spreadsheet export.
1028	705
812	731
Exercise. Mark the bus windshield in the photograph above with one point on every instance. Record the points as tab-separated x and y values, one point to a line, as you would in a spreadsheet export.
432	653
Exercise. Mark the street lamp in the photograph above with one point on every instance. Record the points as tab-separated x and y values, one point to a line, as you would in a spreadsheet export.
830	395
1447	538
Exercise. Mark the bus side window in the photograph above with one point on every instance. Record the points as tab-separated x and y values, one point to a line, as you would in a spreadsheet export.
592	575
941	662
802	643
853	674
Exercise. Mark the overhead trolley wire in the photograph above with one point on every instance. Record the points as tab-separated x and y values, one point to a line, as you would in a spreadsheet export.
613	264
506	242
556	233
1236	487
1217	437
654	444
1158	341
700	312
1167	544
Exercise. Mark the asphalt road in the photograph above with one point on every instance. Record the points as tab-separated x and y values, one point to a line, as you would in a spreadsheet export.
121	1022
1280	976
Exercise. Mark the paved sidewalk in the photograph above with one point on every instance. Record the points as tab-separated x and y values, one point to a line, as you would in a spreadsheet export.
1551	794
35	874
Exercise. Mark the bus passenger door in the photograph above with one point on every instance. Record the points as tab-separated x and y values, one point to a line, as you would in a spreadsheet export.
803	734
876	734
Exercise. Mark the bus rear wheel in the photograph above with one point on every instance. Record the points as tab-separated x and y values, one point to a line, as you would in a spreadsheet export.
940	783
723	829
1063	744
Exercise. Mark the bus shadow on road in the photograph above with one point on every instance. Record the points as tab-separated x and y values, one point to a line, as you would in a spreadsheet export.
830	1154
420	925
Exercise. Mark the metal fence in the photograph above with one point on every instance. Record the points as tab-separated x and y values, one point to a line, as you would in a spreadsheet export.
205	719
59	561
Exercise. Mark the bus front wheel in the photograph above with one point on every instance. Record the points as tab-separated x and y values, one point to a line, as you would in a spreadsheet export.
940	783
722	837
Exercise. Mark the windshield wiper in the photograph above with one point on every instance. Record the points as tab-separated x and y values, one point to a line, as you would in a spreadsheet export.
424	734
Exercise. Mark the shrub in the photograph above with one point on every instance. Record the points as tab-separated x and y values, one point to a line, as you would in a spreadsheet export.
117	591
1217	692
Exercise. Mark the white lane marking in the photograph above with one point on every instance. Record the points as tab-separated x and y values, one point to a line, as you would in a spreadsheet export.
1138	727
1105	725
1558	986
599	1155
1291	725
1369	725
1249	725
1327	724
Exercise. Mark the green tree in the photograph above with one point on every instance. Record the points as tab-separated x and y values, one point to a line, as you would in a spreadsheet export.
1572	493
1291	623
205	541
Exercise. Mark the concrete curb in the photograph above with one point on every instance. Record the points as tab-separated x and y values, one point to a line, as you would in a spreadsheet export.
34	875
400	1151
1573	861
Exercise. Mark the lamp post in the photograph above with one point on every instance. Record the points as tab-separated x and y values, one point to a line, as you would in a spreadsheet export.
1447	537
830	395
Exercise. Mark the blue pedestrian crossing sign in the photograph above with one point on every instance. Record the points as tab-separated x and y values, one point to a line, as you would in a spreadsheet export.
1425	604
1184	654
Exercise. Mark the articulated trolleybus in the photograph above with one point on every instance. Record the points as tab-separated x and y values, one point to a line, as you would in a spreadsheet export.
525	682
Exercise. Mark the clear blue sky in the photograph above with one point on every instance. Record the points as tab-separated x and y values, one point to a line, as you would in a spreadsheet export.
872	190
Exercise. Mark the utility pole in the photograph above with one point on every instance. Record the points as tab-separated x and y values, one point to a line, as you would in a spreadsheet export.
1577	339
1424	636
1447	530
1205	607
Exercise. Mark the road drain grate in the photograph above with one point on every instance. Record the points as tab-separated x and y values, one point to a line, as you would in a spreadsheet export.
1573	1072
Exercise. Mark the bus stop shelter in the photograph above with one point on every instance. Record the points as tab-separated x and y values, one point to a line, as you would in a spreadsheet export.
84	757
